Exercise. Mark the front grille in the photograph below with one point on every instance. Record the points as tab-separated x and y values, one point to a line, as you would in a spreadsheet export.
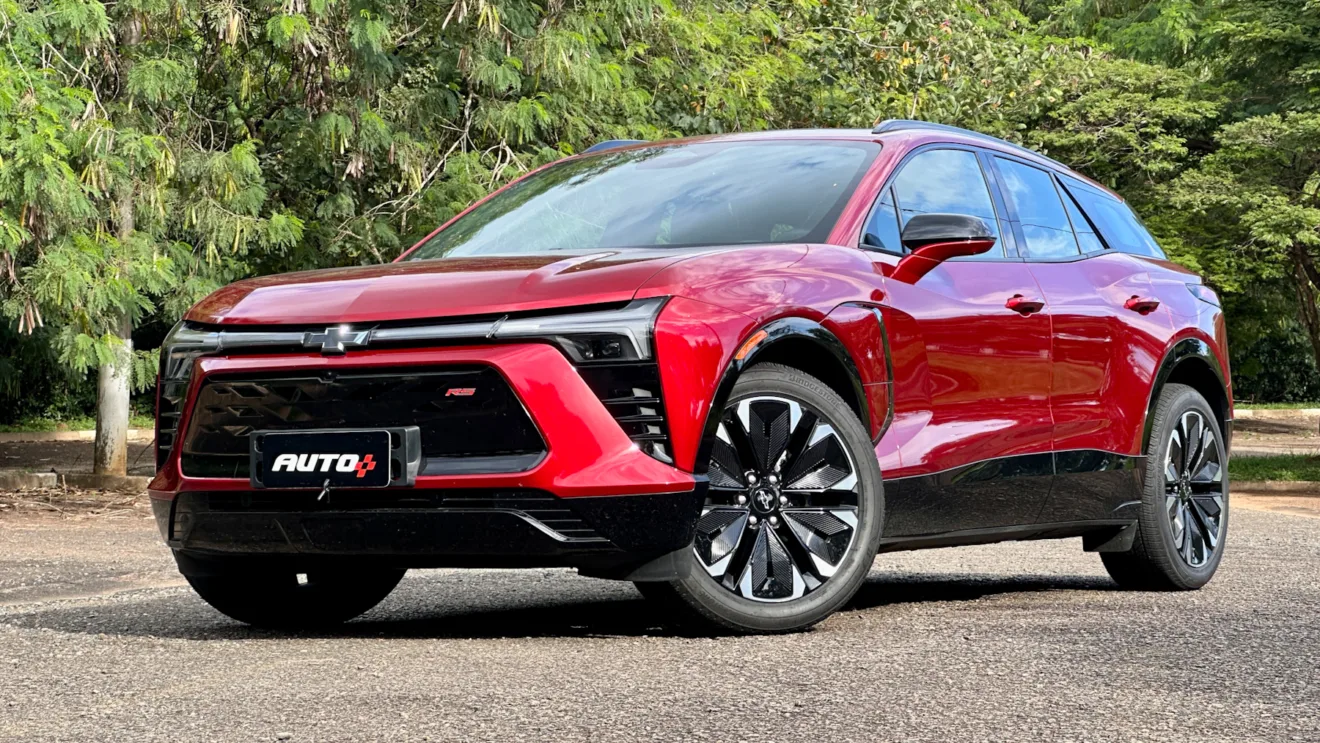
169	406
536	504
631	392
463	412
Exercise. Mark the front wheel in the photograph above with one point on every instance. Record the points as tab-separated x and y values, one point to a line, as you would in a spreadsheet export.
283	599
794	514
1183	517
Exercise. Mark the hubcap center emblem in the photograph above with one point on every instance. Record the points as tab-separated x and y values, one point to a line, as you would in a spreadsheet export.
765	500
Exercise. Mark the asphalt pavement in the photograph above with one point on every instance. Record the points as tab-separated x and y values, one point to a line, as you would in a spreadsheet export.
101	641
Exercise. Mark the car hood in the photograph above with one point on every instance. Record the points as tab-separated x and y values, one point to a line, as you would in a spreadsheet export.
436	288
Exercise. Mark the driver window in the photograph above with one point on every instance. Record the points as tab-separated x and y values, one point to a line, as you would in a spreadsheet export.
946	182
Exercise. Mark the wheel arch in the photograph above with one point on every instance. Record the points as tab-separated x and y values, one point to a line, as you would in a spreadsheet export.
1191	362
796	342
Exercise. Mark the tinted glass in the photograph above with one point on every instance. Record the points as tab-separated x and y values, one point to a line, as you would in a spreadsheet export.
1115	220
1087	239
1045	224
882	231
723	193
946	182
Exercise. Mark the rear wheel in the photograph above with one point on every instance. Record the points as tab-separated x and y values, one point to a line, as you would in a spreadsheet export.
284	599
1183	517
793	519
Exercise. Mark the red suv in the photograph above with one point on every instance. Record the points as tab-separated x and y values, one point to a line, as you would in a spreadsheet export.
731	369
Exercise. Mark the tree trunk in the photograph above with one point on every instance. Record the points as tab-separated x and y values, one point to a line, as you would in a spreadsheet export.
114	383
110	453
1308	282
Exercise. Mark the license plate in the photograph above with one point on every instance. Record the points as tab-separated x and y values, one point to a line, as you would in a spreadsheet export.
315	459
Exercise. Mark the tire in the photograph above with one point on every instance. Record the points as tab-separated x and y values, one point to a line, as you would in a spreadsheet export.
279	600
1183	518
802	541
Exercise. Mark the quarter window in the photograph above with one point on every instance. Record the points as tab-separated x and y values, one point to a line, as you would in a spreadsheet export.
882	230
1115	220
1087	240
1044	221
946	182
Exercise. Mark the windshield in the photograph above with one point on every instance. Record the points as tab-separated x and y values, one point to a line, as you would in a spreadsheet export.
680	195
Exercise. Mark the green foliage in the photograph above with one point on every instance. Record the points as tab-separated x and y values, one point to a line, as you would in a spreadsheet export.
1287	468
154	150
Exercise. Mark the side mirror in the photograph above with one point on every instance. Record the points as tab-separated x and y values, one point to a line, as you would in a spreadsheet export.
935	238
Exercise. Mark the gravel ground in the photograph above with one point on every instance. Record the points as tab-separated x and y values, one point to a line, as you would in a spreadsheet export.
100	641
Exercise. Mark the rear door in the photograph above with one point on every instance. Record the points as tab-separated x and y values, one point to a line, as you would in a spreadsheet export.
969	444
1104	342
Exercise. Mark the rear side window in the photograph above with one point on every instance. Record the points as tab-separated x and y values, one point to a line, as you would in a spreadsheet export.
1045	225
1115	220
946	182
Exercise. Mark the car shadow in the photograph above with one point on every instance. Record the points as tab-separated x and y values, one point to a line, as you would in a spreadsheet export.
616	611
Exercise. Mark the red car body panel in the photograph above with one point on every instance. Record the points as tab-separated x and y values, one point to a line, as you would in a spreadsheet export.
587	454
948	376
433	289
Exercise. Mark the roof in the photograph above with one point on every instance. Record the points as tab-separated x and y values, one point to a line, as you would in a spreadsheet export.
909	130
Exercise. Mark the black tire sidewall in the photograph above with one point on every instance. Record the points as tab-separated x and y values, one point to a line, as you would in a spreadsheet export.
275	600
735	612
1156	529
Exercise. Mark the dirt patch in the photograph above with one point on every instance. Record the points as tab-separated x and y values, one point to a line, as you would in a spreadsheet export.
68	456
57	503
1289	504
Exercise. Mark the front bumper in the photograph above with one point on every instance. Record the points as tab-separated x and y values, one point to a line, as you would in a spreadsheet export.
454	528
593	498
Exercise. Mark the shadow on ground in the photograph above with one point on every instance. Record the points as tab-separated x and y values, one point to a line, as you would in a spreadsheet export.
602	609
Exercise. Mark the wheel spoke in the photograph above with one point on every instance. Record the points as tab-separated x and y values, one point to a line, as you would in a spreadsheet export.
1204	450
798	441
823	465
768	422
824	535
770	574
1209	480
1189	531
726	467
739	558
718	534
1173	468
1192	446
1175	519
1204	524
738	440
1170	475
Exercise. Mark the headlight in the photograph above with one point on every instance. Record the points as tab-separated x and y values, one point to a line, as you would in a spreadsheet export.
603	336
182	347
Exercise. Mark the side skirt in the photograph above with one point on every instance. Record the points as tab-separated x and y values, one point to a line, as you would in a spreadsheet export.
1108	531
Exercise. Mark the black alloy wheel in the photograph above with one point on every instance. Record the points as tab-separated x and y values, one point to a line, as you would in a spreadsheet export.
1182	520
794	511
782	510
1194	489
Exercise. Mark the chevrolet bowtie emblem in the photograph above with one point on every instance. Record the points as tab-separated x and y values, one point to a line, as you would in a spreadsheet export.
336	339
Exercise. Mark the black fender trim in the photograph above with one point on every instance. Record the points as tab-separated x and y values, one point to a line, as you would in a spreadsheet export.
777	331
1183	350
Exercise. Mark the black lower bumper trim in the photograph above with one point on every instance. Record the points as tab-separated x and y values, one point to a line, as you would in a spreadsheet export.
432	528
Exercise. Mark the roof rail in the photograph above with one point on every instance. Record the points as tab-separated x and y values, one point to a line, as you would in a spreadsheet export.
898	125
610	144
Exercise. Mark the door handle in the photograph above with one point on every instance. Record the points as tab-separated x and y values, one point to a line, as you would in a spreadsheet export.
1024	306
1141	305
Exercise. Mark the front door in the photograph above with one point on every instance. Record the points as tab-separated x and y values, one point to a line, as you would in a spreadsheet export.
969	446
